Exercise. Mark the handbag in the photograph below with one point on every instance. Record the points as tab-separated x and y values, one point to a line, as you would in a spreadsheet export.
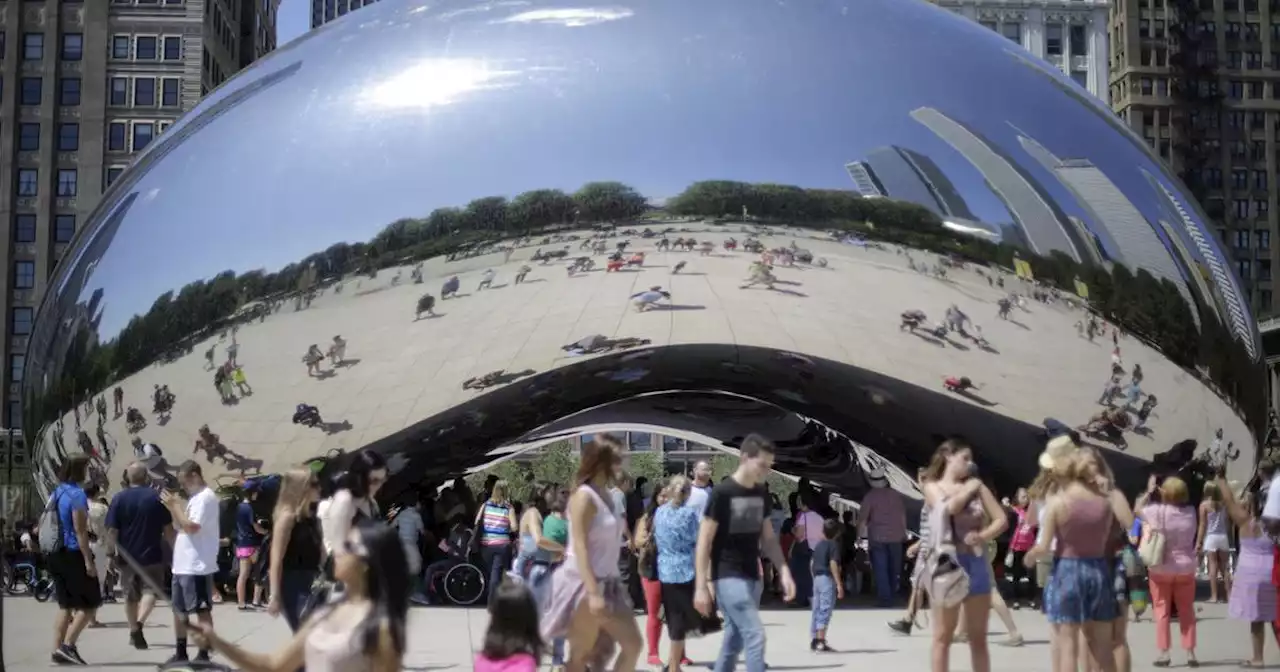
941	575
1151	548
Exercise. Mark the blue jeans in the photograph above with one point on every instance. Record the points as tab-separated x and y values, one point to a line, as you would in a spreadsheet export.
540	584
824	600
743	632
801	573
886	567
496	558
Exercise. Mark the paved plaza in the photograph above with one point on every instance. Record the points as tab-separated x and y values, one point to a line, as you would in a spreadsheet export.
446	639
403	371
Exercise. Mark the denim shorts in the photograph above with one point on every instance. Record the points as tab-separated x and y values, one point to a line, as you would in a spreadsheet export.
979	571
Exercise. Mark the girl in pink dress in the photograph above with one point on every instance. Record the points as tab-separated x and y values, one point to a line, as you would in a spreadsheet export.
513	642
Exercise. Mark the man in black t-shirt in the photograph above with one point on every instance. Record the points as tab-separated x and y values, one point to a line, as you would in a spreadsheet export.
735	530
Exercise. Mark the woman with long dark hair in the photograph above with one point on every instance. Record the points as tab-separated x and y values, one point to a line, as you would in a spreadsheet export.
297	549
352	498
646	548
363	631
588	602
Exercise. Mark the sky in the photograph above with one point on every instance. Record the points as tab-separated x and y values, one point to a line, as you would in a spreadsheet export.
403	107
292	20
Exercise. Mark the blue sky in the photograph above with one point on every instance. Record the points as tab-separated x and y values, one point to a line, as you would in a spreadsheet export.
403	107
293	20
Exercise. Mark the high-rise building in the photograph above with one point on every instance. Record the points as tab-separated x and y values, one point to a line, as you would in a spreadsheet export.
1138	246
1199	80
911	176
1071	36
324	11
864	179
1044	226
90	84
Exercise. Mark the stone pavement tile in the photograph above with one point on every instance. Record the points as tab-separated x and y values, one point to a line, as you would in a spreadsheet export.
446	638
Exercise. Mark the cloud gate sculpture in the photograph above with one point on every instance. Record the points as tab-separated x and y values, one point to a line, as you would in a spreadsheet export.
438	229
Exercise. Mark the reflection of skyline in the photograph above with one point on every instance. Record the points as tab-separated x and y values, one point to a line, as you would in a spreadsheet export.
864	180
329	140
1230	303
1042	223
1138	245
908	175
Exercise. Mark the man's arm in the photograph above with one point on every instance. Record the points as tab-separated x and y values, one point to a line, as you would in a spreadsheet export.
80	525
178	511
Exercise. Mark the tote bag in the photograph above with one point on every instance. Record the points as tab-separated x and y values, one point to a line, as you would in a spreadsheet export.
1151	548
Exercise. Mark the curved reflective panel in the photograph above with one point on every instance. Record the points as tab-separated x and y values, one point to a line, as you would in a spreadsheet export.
450	229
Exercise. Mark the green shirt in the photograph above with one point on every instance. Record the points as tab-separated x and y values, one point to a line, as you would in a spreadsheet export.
556	529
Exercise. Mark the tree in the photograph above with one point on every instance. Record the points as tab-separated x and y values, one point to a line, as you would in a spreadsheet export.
518	477
608	201
557	463
650	465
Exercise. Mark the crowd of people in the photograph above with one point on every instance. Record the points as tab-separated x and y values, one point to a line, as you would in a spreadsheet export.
566	572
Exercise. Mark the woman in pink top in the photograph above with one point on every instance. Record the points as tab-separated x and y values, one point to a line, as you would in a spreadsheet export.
1024	538
1173	580
588	601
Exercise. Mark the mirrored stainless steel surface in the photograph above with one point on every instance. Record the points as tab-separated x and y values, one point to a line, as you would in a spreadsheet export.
743	202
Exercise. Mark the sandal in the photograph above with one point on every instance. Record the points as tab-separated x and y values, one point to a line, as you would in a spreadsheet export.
1014	641
1162	662
1192	662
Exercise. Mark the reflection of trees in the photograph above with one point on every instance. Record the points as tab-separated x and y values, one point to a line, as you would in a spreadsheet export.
1150	308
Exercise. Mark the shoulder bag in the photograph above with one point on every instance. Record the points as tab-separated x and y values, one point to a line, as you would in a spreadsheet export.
1151	548
941	575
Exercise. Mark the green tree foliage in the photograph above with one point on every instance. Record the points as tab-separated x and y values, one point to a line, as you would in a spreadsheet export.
649	465
557	463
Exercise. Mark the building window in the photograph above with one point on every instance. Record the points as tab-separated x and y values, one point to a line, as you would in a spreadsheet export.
172	48
29	137
15	421
1263	239
1079	44
1242	208
1260	180
113	173
72	46
1013	31
1080	77
1264	300
143	133
144	92
64	228
68	182
1239	178
32	91
1053	39
69	91
1243	268
169	92
22	320
119	95
1260	208
145	48
24	228
24	274
68	137
17	364
1264	270
33	47
641	441
1242	240
117	136
28	182
120	47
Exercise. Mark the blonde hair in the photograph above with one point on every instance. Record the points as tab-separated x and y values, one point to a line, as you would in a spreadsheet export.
499	492
1174	491
678	489
295	489
1211	493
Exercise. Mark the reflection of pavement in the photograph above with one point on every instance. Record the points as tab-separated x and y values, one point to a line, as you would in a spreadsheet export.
446	639
402	371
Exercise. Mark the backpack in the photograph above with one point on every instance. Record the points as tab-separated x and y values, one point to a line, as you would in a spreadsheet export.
50	529
940	573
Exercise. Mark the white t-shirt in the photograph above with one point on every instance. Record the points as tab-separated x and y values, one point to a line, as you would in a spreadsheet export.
196	554
1271	510
698	498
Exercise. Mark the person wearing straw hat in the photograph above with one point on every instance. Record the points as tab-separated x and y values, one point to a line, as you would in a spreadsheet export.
882	516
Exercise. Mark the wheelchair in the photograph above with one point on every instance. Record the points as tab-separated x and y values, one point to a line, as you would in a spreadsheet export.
463	583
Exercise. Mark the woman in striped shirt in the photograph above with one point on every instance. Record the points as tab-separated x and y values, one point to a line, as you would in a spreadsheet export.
495	521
